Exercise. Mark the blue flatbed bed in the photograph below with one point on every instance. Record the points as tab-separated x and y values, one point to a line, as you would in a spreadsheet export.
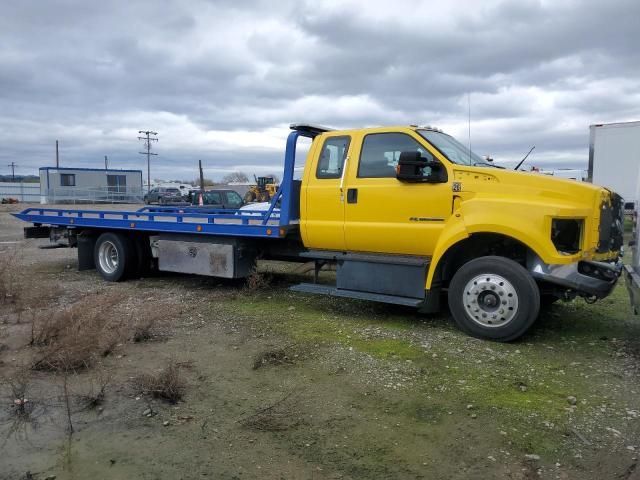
279	221
245	223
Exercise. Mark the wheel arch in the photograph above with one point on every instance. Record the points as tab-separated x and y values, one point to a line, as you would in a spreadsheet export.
461	249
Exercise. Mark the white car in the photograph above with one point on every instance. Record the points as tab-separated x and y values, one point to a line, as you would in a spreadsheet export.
259	207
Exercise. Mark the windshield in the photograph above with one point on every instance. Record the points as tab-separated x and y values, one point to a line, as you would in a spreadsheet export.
453	149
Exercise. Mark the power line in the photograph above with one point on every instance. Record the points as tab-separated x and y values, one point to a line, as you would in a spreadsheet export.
13	171
147	143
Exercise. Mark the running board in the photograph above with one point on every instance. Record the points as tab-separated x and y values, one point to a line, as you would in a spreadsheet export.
339	292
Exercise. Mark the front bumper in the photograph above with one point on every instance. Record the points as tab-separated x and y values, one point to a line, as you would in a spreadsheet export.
632	280
587	278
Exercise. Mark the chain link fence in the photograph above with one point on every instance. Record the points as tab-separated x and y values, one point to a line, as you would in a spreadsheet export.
23	192
72	195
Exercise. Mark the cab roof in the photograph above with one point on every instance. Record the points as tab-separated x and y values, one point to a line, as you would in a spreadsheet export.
313	130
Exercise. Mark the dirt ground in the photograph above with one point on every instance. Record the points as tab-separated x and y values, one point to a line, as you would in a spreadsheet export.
281	385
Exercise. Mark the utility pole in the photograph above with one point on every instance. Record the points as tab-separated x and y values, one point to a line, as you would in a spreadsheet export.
147	143
13	171
57	156
201	177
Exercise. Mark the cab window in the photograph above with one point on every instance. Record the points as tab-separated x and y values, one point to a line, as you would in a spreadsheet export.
334	151
381	152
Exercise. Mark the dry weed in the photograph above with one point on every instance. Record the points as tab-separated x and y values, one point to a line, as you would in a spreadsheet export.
143	330
257	280
93	397
75	338
19	386
278	416
168	384
275	356
9	291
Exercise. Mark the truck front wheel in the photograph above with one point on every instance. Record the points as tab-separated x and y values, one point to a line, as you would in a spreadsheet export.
114	256
494	298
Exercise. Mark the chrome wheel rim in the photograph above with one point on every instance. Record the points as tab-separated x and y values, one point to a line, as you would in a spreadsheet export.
490	300
108	257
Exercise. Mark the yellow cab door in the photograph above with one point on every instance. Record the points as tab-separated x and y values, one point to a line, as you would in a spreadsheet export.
322	224
383	214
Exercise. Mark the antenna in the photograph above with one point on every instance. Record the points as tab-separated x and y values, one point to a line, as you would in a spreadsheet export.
525	157
469	105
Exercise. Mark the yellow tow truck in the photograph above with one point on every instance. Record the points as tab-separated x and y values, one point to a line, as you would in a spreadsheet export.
407	214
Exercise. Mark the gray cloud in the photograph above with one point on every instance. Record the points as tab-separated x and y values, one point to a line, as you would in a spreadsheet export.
221	80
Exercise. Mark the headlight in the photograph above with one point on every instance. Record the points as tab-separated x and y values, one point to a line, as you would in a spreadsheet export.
566	235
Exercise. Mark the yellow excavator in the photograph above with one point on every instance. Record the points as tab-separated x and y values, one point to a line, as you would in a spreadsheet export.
263	191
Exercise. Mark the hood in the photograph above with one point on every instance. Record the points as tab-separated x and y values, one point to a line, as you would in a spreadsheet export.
476	180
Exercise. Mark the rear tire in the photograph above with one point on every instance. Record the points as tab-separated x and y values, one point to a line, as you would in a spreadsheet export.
494	298
114	256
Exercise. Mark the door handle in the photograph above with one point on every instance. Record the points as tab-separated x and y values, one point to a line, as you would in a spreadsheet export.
352	195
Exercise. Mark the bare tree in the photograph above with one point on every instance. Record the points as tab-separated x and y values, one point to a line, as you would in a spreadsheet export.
239	177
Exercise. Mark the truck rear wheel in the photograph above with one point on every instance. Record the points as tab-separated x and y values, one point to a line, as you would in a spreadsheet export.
494	298
114	256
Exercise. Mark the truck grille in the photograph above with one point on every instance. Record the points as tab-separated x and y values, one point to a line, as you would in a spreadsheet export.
611	224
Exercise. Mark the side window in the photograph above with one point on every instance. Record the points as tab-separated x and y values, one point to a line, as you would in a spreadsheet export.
234	200
381	152
332	156
213	198
67	180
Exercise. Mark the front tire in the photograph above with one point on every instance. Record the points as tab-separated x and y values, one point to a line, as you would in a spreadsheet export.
114	256
494	298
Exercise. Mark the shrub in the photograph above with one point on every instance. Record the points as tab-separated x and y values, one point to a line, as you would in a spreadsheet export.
76	337
168	384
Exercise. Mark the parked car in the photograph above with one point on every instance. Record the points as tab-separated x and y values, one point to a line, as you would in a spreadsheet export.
163	196
219	198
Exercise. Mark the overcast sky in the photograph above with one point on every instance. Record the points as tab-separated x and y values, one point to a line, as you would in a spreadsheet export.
221	80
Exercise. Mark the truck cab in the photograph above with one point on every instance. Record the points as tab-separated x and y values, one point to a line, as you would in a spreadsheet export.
409	213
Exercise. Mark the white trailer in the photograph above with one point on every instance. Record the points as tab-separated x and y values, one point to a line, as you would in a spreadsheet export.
614	157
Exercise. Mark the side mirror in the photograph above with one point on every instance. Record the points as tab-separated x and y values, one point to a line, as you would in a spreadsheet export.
412	167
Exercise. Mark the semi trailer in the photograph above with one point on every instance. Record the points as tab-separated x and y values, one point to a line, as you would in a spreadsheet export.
614	158
407	214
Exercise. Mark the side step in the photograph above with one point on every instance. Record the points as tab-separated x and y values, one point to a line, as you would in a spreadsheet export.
339	292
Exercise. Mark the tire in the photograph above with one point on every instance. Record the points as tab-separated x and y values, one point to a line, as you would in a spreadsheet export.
249	197
115	257
494	298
